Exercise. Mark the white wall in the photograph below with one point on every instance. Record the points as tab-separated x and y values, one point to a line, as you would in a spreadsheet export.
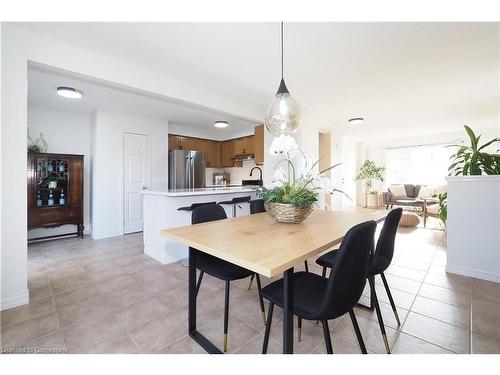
474	227
20	47
65	133
208	133
107	166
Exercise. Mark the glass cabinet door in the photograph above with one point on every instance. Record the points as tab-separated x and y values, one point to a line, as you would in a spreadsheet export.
51	182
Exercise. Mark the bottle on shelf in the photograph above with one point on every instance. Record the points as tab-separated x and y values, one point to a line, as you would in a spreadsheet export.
62	198
61	167
50	167
38	199
50	201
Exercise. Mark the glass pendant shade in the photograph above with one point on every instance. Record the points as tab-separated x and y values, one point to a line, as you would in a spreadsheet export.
283	115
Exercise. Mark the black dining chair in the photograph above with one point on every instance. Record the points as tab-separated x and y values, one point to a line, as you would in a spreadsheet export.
236	202
379	262
257	206
319	298
219	268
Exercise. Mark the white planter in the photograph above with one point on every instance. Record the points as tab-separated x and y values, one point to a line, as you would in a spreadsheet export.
371	200
474	226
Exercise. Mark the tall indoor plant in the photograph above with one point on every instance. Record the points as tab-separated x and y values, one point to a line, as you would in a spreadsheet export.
472	160
369	172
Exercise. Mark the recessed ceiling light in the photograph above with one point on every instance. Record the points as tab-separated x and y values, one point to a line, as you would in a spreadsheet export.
221	124
356	121
69	92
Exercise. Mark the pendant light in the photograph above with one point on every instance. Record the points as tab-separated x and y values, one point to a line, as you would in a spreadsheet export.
283	115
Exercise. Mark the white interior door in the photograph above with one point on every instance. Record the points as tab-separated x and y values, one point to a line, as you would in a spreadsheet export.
135	179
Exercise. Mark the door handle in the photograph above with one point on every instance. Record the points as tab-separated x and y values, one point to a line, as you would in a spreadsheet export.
145	187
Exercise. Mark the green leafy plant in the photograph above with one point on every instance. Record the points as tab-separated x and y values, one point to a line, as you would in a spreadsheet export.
443	207
473	160
33	149
369	172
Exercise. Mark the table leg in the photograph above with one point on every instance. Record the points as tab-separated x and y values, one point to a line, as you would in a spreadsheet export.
424	211
288	311
193	333
192	291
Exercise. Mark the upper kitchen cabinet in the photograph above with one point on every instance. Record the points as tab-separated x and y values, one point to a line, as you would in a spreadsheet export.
212	149
259	145
227	153
244	145
174	142
189	143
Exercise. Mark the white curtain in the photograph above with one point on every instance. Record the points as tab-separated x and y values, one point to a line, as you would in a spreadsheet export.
420	165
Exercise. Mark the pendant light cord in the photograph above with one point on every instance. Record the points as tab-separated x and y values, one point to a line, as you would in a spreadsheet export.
281	49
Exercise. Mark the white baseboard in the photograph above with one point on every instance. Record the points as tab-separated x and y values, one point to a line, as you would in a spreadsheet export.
15	301
470	272
164	258
107	235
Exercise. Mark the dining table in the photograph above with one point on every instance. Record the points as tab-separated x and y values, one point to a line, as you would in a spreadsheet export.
269	248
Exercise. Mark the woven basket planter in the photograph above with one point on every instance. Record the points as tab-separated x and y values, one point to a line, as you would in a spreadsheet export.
288	213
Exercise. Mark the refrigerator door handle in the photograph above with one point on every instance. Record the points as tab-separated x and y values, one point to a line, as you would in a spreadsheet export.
192	173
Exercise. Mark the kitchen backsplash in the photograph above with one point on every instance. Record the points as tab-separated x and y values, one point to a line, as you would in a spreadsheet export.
237	173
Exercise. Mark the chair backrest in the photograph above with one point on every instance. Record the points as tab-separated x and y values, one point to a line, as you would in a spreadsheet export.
196	205
241	199
385	244
257	206
207	213
348	276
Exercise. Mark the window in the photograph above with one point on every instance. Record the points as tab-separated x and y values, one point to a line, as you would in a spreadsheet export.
421	165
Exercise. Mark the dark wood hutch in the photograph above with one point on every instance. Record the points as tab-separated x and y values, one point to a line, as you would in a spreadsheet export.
55	191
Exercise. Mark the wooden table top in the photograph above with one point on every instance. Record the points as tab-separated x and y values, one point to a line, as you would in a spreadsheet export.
260	244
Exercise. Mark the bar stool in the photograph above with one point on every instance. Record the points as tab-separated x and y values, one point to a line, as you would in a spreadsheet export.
185	261
235	202
194	205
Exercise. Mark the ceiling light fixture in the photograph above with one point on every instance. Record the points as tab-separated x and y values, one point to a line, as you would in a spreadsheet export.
283	115
69	92
221	124
356	121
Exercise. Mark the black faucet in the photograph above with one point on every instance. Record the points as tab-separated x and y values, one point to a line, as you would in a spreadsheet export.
260	170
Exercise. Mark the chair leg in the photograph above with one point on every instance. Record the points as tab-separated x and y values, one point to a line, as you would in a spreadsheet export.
299	328
251	281
323	273
371	280
306	266
393	305
261	300
328	340
198	284
358	332
268	327
226	315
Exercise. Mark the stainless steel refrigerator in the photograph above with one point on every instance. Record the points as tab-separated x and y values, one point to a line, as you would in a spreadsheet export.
186	169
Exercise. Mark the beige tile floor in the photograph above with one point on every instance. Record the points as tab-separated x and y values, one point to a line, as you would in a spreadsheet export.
106	296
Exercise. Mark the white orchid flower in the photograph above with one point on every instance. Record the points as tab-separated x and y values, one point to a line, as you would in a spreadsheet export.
284	145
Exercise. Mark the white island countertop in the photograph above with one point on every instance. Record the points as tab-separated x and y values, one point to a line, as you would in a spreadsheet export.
203	191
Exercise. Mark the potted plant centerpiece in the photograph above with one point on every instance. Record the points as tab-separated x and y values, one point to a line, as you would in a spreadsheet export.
292	198
369	172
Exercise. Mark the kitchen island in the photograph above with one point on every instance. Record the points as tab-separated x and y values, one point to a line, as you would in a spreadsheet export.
160	212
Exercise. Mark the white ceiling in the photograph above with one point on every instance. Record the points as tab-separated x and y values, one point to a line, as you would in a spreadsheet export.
42	85
402	77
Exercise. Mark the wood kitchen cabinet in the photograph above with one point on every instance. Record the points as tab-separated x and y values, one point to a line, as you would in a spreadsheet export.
220	154
259	145
174	142
227	153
